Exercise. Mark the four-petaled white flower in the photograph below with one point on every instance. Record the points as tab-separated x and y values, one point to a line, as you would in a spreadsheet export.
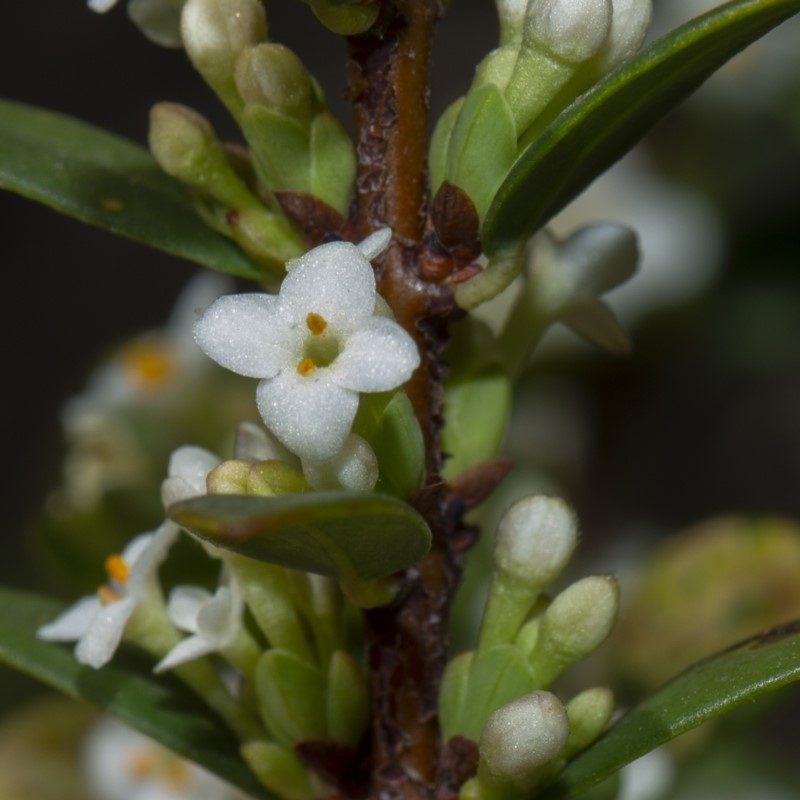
213	621
316	345
97	622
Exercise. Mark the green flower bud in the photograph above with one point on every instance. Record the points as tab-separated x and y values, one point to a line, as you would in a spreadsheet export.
520	738
214	33
271	75
511	16
575	624
265	478
185	146
278	769
558	36
346	18
158	20
588	712
535	539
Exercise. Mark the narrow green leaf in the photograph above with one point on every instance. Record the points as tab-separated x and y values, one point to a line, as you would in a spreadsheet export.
329	533
607	121
108	181
710	688
160	708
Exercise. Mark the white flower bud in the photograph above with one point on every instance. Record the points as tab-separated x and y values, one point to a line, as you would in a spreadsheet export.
354	468
572	30
535	539
521	737
214	32
629	26
576	623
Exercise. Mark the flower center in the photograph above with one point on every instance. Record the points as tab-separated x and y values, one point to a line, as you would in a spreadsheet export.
321	348
147	364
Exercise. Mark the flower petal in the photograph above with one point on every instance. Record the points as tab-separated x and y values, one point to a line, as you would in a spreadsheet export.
187	650
218	618
73	623
354	467
310	415
184	605
377	356
334	280
146	561
99	643
188	468
246	334
375	243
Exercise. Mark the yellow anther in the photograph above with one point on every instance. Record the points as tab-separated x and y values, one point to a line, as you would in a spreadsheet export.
316	323
106	595
116	568
177	777
147	364
306	367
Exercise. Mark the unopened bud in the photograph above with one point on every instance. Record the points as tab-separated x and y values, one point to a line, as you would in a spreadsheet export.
346	18
629	26
575	624
571	30
520	738
588	712
158	20
214	33
535	539
271	75
354	467
263	478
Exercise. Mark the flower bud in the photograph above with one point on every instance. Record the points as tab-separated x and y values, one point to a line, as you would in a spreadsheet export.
346	18
588	714
520	738
271	75
264	478
575	624
511	16
354	467
214	32
158	20
535	539
629	26
570	30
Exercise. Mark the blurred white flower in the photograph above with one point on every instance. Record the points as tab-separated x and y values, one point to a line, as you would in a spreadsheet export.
213	620
97	622
315	346
122	764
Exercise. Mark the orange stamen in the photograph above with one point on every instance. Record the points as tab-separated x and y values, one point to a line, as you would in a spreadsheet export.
116	568
141	763
316	323
306	367
147	364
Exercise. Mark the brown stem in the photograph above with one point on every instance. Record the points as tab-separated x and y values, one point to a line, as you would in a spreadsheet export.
407	640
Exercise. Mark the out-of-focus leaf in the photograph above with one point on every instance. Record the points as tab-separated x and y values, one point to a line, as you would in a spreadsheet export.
108	181
331	533
160	708
703	691
607	121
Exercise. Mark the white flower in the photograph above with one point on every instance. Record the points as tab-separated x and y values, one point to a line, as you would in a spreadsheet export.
122	764
213	621
97	622
186	474
316	345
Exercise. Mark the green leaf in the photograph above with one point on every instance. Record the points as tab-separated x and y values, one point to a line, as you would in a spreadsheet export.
160	708
329	533
710	688
108	181
607	121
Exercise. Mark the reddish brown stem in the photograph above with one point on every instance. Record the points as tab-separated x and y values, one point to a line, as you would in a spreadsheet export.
407	640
